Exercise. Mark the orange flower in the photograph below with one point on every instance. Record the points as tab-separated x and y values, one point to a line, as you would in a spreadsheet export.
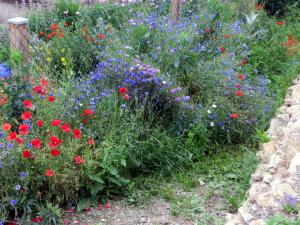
6	127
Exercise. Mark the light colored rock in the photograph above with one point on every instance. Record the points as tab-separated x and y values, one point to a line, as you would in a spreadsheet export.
277	161
267	150
294	163
258	222
279	190
268	178
265	200
245	214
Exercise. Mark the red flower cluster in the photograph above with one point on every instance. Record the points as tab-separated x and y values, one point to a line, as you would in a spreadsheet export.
123	91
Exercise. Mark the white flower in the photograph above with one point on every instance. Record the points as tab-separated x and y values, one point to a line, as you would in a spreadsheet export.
251	18
212	124
208	111
214	106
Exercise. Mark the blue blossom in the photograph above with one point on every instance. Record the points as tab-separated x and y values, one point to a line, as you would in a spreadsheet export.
1	134
5	72
13	202
22	174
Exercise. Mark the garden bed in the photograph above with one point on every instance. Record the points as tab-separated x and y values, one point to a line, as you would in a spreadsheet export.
123	102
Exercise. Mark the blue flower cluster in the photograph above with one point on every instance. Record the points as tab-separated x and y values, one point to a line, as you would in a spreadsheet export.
5	72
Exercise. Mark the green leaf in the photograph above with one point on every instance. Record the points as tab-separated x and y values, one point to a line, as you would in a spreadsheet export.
83	203
96	177
123	162
177	62
95	188
147	35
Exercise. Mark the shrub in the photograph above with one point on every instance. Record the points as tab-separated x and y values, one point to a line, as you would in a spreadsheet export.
279	7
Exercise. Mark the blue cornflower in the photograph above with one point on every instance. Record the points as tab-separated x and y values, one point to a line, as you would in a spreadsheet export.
22	174
10	145
1	165
5	72
29	145
13	202
1	134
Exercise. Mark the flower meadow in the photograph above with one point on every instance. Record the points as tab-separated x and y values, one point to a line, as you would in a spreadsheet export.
113	92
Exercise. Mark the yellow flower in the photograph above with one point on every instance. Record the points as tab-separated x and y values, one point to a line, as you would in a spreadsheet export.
62	59
49	59
62	50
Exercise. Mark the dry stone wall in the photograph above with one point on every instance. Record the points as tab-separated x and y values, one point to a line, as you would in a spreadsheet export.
279	171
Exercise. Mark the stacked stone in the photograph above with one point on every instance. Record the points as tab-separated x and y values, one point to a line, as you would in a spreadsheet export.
279	171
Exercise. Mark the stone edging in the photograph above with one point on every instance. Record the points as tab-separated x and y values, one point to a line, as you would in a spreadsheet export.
276	175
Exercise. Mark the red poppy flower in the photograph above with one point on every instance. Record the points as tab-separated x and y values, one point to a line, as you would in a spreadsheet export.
234	116
55	122
65	127
39	123
91	141
107	205
49	173
26	154
259	6
84	121
78	160
37	219
55	152
23	129
239	93
6	127
222	49
44	82
12	136
84	35
100	36
207	30
88	112
53	34
51	98
36	143
37	89
126	97
42	33
19	141
91	39
61	35
3	99
54	26
27	104
227	36
279	23
123	90
26	115
237	85
49	36
54	141
241	76
76	133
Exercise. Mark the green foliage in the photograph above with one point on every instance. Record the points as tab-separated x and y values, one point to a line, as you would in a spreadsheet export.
281	220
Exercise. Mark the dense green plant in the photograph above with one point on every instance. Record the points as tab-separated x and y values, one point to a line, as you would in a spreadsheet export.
279	7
